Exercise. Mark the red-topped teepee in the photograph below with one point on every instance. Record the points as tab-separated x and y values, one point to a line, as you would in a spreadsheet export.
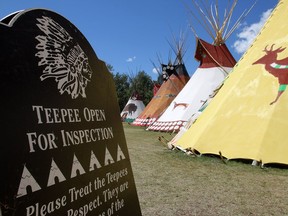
215	63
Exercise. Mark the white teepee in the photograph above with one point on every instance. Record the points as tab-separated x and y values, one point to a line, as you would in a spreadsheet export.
216	62
132	109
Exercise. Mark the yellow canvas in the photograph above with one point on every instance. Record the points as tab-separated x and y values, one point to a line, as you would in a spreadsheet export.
246	120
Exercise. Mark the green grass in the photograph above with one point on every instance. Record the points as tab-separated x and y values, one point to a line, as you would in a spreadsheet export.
171	183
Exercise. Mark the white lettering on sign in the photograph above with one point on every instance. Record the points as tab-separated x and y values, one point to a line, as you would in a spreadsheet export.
56	115
43	141
94	115
41	210
86	136
75	193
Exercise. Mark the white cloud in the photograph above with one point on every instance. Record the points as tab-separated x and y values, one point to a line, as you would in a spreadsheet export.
131	59
249	33
155	70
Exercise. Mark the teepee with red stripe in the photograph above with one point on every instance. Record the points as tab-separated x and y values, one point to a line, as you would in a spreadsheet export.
215	63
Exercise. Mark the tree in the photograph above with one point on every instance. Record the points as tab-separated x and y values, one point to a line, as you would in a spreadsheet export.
127	85
122	88
110	67
143	85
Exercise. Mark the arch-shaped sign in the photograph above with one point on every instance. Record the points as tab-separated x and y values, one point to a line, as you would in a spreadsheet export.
63	149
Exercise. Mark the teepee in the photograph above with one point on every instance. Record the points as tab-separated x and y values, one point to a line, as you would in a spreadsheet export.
247	119
175	78
133	108
135	105
216	62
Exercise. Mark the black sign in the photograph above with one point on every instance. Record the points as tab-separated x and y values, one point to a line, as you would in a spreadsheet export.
63	149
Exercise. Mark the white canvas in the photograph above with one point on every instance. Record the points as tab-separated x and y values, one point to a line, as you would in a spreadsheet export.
195	93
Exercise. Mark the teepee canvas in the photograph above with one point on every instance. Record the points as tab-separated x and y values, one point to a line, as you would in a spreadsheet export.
133	108
216	62
247	119
175	77
166	93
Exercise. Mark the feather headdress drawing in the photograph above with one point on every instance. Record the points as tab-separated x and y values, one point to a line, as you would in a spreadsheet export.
64	59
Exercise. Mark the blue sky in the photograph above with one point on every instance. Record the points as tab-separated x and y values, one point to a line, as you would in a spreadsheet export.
131	35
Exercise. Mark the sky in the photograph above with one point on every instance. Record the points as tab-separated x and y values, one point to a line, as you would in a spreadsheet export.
134	35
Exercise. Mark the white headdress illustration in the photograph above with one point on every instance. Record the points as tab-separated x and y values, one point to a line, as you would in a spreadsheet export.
63	57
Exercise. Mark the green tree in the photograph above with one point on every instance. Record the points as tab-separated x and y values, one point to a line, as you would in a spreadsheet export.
122	88
110	68
143	84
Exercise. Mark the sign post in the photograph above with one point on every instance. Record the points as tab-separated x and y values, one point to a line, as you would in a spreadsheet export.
63	149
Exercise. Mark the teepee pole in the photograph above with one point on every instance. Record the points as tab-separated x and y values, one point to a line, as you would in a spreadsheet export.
218	28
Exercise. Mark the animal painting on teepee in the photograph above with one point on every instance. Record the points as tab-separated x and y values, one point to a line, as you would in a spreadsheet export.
135	105
133	108
247	118
277	67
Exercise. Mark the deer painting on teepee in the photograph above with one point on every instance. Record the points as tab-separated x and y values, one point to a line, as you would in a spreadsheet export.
278	68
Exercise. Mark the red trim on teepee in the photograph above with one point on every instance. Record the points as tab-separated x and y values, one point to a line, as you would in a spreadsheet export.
213	56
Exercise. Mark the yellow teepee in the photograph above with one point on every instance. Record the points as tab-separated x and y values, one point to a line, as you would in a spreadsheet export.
244	121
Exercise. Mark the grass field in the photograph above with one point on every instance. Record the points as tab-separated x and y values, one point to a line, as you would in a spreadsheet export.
170	183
